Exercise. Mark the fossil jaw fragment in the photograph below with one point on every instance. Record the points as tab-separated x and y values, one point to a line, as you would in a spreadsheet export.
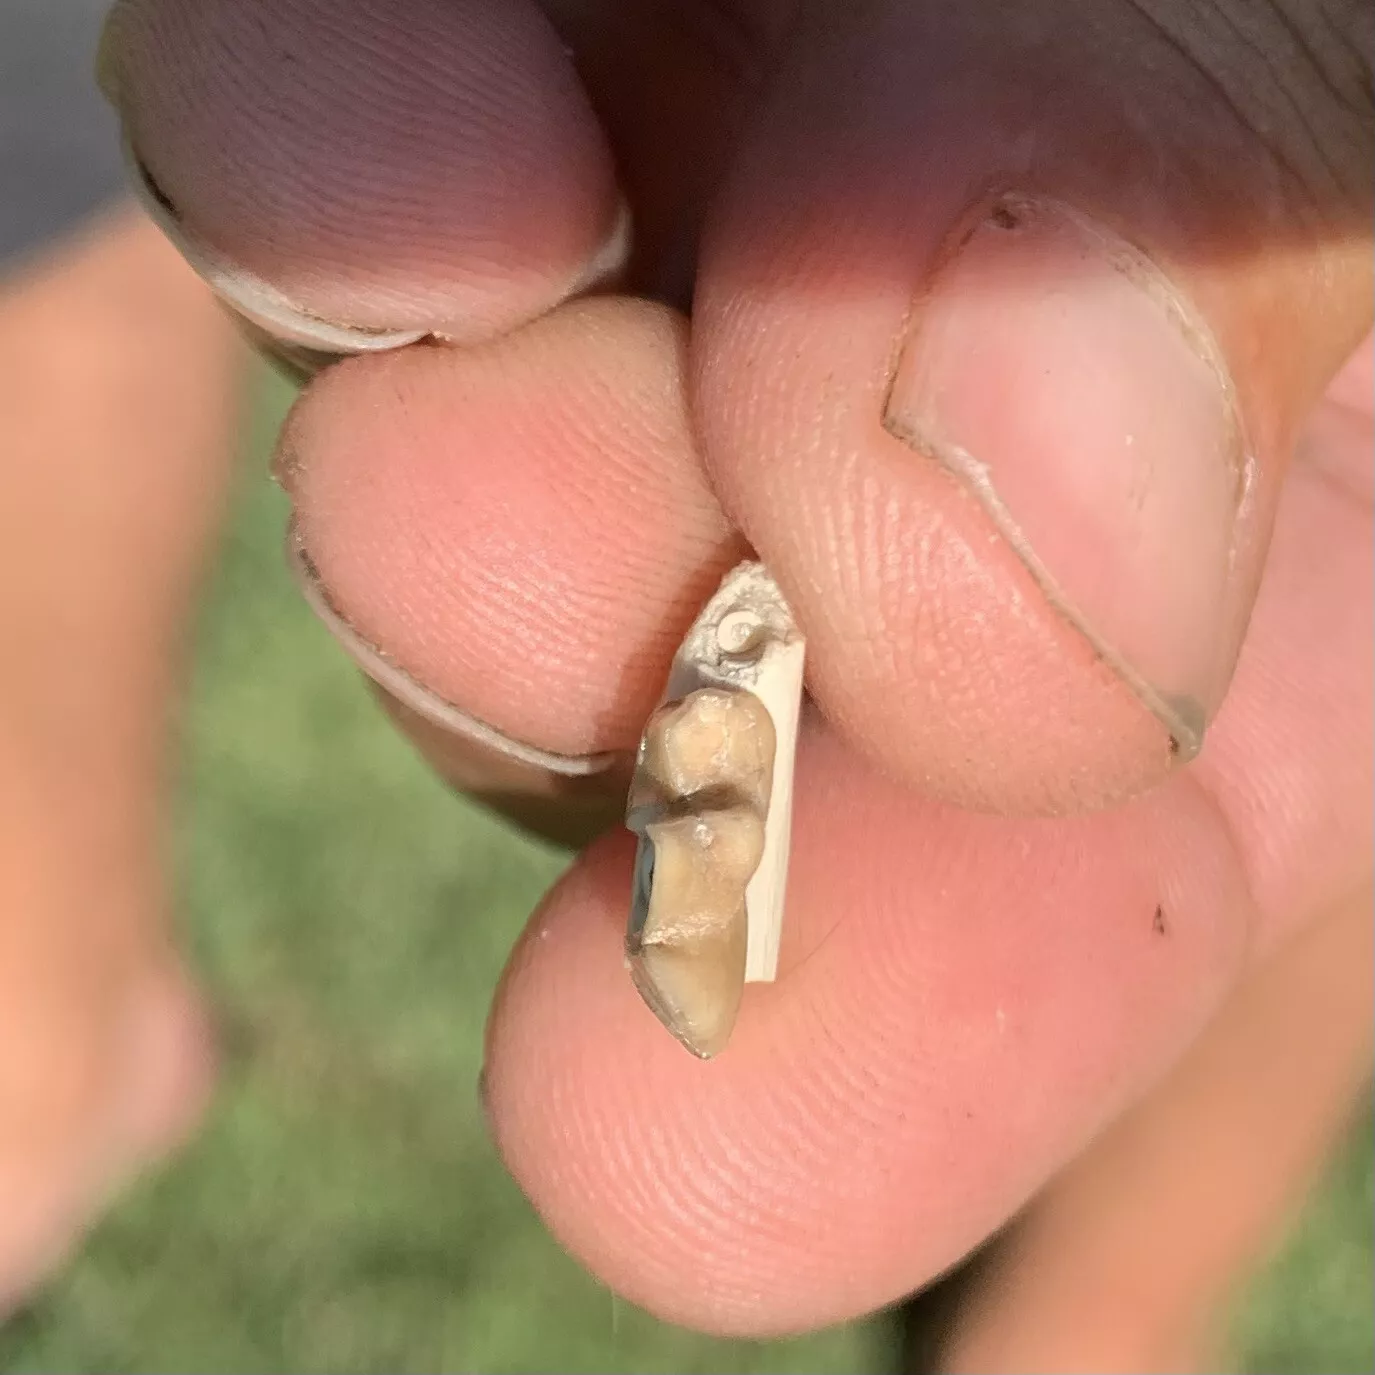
711	801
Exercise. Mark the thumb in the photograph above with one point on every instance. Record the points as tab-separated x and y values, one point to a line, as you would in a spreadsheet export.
1006	327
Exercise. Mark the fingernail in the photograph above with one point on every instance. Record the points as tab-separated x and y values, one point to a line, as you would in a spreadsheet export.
606	267
303	342
415	695
1055	371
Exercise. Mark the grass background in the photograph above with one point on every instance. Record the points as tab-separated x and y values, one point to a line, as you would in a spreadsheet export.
343	1211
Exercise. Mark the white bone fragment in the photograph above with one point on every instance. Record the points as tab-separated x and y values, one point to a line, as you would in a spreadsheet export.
713	777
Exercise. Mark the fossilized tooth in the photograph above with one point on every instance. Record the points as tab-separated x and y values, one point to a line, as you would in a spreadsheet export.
711	801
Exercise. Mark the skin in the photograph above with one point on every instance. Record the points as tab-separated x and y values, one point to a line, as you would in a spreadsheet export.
1012	908
105	1062
1095	1277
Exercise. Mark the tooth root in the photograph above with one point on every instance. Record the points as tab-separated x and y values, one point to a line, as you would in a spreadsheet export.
695	993
711	802
687	942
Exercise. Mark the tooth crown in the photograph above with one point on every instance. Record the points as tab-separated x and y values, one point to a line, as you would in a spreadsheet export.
716	742
711	803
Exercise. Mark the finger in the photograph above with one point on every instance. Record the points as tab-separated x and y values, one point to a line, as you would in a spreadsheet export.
353	176
1131	1259
1288	763
1003	334
965	1001
512	538
948	1025
117	388
673	86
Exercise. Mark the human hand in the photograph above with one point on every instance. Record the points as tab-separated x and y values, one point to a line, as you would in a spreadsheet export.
1032	477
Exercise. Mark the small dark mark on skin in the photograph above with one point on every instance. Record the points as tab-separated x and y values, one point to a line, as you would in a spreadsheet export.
1004	217
1158	921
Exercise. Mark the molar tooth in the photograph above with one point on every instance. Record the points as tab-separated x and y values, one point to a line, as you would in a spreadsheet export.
711	801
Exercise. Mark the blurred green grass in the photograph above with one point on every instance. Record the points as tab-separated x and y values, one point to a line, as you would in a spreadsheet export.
343	1211
1313	1307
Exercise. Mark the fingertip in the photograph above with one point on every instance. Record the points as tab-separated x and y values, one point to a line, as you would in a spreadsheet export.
522	527
429	167
991	400
932	644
